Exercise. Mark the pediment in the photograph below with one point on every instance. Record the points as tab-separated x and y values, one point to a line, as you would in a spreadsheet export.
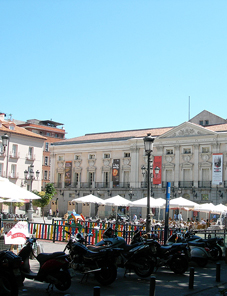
187	129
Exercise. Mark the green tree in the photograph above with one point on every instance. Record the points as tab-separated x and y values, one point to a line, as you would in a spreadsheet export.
46	197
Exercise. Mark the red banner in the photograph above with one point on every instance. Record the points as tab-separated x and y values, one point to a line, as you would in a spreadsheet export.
157	170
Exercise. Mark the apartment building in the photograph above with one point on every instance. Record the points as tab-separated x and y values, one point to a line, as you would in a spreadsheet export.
186	156
53	132
23	148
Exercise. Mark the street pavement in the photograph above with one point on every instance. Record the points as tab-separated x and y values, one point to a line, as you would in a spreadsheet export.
166	282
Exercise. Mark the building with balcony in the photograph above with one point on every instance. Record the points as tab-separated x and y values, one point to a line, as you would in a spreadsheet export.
24	148
53	132
110	163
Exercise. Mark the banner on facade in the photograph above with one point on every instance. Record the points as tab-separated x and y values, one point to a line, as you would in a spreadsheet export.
68	173
217	168
116	172
157	170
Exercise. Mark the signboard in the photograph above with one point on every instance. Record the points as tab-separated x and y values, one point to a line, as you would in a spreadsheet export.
157	170
17	235
217	168
68	173
116	172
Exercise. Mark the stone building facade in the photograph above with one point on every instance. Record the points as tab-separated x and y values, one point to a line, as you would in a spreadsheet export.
84	165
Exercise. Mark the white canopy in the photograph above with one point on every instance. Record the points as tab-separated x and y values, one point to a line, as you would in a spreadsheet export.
154	202
181	202
220	208
206	207
118	201
11	190
89	199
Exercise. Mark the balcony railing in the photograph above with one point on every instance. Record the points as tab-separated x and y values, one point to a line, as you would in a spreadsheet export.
185	184
164	183
204	184
102	184
122	185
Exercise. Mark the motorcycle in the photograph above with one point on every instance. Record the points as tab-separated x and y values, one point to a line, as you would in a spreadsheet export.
10	274
131	257
53	267
214	244
102	263
199	253
176	256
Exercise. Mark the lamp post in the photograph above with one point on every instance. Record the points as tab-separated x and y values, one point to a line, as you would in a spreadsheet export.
30	175
148	145
5	143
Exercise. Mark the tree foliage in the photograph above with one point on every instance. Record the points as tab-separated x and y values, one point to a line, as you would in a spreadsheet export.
46	196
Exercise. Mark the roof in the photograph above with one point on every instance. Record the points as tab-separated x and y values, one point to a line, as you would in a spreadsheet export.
4	127
115	136
217	127
42	127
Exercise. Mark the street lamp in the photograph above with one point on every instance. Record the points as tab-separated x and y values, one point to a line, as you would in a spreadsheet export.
5	143
148	145
30	175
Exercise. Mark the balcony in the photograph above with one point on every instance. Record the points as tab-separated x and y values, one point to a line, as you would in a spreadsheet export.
204	184
102	184
185	184
58	185
164	183
122	185
14	155
30	157
13	175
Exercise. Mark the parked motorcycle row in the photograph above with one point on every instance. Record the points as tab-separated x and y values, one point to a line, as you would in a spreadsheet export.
144	255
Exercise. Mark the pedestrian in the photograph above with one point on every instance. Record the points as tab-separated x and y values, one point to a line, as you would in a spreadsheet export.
180	216
57	212
50	212
134	218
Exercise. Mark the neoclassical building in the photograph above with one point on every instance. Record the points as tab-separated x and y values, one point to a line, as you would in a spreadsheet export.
192	156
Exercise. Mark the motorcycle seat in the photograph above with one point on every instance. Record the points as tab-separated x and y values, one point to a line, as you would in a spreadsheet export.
42	257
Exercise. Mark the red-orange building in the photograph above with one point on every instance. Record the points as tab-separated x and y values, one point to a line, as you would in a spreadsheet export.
52	131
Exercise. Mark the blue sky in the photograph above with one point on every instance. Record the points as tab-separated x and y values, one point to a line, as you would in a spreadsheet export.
100	66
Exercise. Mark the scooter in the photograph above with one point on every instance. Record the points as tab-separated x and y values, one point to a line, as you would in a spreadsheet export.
199	253
53	269
10	274
176	255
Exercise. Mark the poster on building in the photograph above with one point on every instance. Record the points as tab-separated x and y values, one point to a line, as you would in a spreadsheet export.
217	168
68	173
157	170
116	172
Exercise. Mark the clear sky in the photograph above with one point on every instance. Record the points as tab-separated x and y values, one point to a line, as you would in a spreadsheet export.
100	66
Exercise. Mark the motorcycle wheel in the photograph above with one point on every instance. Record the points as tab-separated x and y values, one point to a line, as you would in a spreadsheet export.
107	275
8	287
179	264
146	267
216	253
201	262
64	280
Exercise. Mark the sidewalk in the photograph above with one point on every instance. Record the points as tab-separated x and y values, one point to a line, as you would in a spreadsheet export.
166	282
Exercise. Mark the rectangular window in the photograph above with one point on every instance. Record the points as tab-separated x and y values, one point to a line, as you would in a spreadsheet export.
77	157
91	156
205	149
14	150
187	151
46	146
45	175
201	122
169	151
206	122
60	158
30	153
46	160
13	171
106	177
106	155
1	169
90	178
127	154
